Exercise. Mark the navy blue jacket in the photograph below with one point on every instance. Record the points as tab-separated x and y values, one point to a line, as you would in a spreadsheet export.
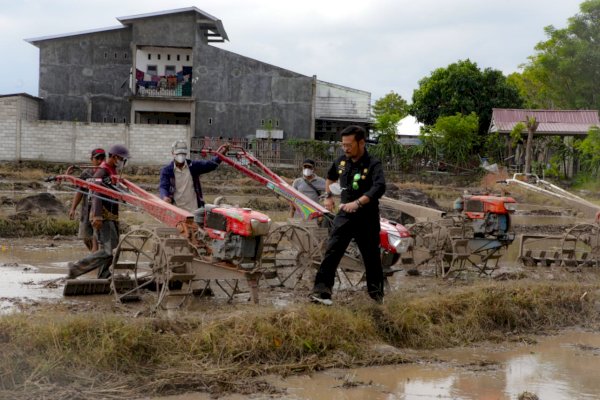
166	186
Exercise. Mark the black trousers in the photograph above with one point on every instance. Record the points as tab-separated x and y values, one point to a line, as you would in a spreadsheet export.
364	229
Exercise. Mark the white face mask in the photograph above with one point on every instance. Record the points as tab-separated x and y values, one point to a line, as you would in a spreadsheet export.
180	158
307	172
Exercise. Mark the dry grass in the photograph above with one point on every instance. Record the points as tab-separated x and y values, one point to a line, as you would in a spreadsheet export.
59	355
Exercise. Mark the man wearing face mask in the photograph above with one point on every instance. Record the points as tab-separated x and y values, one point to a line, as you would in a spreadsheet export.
310	185
180	179
104	215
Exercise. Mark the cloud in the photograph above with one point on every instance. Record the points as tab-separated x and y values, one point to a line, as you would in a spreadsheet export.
377	46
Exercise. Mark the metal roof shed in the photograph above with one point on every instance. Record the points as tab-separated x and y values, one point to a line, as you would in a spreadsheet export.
551	122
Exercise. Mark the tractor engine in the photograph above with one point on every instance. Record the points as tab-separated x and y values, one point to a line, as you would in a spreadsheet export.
489	215
233	234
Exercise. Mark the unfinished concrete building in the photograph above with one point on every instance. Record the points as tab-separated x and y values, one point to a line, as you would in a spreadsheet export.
161	68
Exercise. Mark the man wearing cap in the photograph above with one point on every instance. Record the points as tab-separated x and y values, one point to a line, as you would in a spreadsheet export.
310	185
104	216
180	179
86	232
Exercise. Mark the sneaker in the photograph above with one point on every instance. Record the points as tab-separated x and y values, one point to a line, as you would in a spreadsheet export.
317	299
321	294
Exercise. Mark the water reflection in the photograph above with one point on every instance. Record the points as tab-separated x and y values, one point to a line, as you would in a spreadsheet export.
558	368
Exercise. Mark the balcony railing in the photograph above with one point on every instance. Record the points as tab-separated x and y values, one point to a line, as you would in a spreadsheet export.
156	89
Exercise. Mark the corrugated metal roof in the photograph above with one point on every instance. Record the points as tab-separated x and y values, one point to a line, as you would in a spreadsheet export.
551	122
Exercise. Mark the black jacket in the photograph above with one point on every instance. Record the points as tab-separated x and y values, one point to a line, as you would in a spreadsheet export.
367	172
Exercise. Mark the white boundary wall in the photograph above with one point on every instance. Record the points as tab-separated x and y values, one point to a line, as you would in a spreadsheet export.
27	138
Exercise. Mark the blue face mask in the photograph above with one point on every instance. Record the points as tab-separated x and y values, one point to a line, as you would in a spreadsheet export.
180	158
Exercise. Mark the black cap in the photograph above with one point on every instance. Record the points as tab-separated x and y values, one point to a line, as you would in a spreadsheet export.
310	162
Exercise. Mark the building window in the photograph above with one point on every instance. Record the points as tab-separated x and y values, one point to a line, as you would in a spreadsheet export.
105	55
125	56
210	121
277	123
149	56
114	120
158	55
178	57
104	119
151	70
271	123
168	57
169	70
116	56
262	122
124	120
187	57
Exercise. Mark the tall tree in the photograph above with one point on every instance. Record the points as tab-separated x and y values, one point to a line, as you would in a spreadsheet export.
387	111
391	103
566	68
463	88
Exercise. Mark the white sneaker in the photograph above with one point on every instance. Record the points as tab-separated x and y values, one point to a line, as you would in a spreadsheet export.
316	299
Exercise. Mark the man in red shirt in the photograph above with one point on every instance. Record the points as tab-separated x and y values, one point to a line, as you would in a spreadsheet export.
104	216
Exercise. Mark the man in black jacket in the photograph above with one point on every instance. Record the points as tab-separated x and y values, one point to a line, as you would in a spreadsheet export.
363	183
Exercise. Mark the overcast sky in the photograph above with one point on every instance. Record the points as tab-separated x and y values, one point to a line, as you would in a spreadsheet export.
373	45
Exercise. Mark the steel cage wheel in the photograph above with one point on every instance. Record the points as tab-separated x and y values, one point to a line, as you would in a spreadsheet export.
133	269
290	252
580	246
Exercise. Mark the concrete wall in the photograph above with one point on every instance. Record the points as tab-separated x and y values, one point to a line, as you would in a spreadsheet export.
173	30
8	126
65	141
234	94
86	77
341	102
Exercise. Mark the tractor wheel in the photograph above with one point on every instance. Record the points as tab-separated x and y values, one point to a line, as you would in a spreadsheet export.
153	265
290	253
581	246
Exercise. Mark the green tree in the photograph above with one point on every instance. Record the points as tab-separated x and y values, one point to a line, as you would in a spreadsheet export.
391	103
454	137
463	88
590	151
387	111
565	71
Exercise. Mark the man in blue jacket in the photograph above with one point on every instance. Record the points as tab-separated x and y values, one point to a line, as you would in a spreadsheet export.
180	179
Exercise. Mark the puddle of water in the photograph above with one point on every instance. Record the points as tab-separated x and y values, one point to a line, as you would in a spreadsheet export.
28	265
562	367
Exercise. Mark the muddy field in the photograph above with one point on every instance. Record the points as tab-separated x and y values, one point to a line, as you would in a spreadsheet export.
477	337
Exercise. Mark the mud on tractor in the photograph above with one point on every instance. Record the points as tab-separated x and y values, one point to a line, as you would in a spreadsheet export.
469	240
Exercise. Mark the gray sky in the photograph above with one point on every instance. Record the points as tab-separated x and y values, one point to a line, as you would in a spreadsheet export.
372	45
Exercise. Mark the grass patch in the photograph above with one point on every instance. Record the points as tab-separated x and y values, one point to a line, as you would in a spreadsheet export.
60	355
36	225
